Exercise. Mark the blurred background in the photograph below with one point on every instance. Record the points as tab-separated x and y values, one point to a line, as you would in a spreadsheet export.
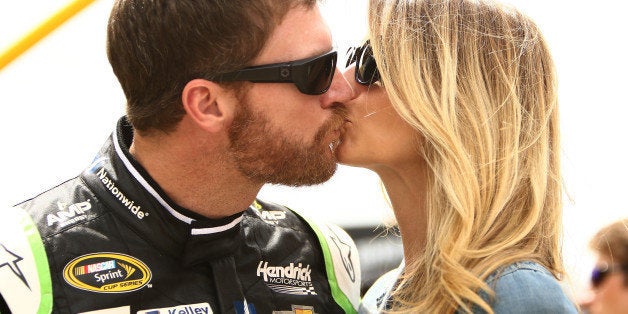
60	101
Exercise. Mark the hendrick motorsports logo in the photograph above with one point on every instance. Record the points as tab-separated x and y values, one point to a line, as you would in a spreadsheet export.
287	279
107	273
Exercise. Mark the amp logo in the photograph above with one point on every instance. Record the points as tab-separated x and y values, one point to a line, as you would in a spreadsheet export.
69	215
273	216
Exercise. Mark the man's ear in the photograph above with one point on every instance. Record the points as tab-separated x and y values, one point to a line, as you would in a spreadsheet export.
208	104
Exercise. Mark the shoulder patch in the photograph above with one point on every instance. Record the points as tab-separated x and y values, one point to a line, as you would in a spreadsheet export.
342	263
25	282
107	272
271	214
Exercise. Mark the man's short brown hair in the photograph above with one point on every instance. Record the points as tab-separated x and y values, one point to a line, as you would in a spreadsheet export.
156	46
612	242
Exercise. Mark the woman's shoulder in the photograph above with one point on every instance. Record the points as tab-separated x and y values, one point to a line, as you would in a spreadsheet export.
528	287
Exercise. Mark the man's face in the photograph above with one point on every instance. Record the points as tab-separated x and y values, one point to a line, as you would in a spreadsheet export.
266	154
611	296
280	135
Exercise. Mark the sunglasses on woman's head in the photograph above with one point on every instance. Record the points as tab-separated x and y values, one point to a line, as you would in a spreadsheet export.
366	72
312	76
600	272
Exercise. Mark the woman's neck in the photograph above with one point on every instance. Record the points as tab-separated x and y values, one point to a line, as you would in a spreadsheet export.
406	188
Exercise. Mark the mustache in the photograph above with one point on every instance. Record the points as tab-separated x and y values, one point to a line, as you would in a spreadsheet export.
340	114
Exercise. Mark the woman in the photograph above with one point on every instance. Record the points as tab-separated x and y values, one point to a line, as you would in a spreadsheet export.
610	275
456	111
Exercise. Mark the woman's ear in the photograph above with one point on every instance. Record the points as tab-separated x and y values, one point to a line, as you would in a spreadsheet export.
208	104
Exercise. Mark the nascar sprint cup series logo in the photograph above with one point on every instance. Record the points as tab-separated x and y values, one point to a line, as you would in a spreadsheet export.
289	279
107	273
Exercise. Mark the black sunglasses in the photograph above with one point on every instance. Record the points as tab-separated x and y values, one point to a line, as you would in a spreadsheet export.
602	271
366	72
312	76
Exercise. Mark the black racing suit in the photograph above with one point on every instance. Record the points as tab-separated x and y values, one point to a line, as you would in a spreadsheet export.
111	239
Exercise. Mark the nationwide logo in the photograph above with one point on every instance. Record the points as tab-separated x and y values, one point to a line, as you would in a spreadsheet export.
198	308
67	216
115	191
107	273
287	279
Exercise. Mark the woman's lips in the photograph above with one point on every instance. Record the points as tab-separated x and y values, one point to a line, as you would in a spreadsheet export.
338	136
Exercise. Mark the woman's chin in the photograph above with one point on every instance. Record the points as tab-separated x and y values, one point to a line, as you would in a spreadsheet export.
342	156
346	157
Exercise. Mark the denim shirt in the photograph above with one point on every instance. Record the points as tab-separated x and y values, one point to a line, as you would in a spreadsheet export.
526	287
521	287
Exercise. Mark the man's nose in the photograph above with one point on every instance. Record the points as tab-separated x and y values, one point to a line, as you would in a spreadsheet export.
340	91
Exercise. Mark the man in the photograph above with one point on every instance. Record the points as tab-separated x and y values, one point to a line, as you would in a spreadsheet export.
609	280
222	97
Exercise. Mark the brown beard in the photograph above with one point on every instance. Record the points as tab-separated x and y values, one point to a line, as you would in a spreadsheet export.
266	155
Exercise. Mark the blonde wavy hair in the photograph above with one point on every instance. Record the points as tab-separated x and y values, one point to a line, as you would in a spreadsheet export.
476	79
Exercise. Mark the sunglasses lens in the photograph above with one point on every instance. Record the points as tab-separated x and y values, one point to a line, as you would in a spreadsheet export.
318	75
601	271
368	71
596	277
352	55
366	68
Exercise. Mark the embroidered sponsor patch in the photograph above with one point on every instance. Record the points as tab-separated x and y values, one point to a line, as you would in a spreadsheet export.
269	216
272	216
110	184
67	215
198	308
107	273
291	279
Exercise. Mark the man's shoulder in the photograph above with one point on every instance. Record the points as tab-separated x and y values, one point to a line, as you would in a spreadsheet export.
272	214
338	250
62	207
276	215
525	287
24	273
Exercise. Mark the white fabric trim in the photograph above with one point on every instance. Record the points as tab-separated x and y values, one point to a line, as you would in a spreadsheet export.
163	202
145	184
217	229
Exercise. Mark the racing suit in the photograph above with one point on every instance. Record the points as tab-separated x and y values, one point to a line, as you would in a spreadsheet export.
111	240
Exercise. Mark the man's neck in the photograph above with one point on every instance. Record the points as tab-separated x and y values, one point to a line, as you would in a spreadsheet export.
195	174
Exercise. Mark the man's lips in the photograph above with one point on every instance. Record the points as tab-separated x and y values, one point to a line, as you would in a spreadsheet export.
336	128
337	135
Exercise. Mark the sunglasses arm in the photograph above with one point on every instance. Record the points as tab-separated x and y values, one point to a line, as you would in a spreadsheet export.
278	73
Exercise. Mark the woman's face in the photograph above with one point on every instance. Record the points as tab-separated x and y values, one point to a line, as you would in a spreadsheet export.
611	295
375	135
